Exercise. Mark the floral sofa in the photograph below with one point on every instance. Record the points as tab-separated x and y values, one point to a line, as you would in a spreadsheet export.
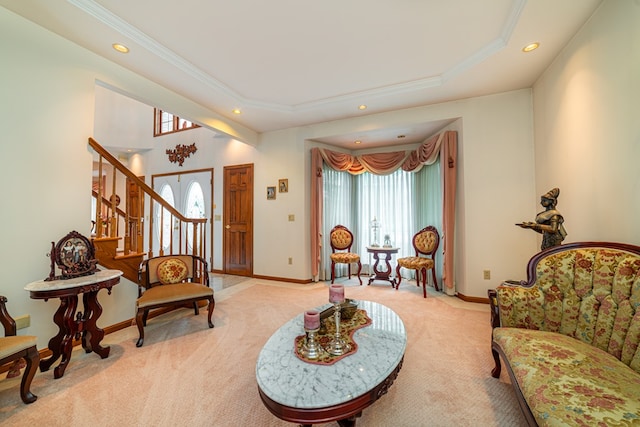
569	335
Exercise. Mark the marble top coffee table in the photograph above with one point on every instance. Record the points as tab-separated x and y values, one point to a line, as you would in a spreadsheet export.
307	393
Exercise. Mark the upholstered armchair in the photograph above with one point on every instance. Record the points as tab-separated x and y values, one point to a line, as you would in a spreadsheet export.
172	281
14	348
425	243
341	240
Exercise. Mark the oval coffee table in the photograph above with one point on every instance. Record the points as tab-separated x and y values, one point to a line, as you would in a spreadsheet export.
307	393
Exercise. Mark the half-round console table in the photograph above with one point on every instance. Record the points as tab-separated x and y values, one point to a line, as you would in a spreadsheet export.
71	325
306	393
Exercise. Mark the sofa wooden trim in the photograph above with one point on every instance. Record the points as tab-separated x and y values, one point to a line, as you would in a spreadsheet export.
497	351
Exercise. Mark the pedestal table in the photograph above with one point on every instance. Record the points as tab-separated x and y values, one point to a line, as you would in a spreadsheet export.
71	325
378	272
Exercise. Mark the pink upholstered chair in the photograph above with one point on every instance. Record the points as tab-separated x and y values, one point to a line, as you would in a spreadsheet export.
425	243
341	240
14	348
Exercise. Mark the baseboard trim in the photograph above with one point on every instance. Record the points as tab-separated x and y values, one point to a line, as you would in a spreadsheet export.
279	279
472	299
283	279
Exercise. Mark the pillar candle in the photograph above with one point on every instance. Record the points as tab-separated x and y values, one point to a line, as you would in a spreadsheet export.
336	293
311	319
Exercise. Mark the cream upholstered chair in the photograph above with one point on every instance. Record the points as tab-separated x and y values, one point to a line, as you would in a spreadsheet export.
425	242
341	240
170	281
14	348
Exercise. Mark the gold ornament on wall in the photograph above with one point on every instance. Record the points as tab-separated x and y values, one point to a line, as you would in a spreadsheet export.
181	152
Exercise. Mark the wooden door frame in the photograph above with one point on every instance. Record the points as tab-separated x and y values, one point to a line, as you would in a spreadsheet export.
210	219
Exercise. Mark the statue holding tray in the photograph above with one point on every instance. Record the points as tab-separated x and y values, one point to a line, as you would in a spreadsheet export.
548	222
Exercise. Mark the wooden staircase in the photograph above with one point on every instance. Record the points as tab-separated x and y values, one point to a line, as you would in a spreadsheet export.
109	256
119	237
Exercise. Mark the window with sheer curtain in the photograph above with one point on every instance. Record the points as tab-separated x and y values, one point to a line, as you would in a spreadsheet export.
402	202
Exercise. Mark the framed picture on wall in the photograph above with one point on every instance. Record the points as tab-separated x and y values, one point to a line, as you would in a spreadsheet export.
283	185
271	193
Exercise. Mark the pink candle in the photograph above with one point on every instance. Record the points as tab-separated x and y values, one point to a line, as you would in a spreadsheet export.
336	293
311	319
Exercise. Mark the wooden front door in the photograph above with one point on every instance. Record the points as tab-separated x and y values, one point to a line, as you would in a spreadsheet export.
238	220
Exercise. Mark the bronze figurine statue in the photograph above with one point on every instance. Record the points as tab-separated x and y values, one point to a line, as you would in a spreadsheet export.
548	222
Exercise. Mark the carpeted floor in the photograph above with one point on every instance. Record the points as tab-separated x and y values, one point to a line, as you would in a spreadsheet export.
188	374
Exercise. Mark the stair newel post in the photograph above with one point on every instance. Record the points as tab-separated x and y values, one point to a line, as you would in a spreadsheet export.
99	201
151	219
161	228
113	224
140	222
127	226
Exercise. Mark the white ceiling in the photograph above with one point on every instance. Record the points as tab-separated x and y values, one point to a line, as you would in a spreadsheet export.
288	63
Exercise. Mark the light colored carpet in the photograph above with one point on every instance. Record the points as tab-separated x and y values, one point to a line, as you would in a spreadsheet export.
188	374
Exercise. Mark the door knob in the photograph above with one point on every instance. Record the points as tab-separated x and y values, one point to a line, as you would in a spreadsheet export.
227	227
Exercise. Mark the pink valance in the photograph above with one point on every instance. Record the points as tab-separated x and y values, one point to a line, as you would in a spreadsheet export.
426	154
377	163
443	144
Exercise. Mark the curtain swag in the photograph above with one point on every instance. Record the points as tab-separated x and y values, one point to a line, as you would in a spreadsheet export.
443	144
386	163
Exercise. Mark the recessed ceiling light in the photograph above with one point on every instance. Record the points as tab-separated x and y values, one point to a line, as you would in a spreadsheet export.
120	48
362	107
357	142
236	111
530	47
401	136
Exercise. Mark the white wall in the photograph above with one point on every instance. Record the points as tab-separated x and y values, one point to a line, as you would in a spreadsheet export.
282	155
587	129
586	143
495	181
46	116
276	156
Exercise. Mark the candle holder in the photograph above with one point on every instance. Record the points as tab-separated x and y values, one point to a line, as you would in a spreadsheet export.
337	346
312	348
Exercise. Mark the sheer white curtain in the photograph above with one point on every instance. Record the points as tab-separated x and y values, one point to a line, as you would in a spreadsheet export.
339	208
429	211
402	202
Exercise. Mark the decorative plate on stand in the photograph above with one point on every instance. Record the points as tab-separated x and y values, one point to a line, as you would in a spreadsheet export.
74	256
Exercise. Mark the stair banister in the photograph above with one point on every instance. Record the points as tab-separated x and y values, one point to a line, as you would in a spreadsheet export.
198	223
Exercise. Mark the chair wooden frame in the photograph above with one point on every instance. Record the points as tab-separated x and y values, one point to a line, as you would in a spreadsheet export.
154	294
341	239
423	257
23	347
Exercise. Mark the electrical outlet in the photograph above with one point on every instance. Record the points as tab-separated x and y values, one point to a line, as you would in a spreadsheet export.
487	274
290	261
23	321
